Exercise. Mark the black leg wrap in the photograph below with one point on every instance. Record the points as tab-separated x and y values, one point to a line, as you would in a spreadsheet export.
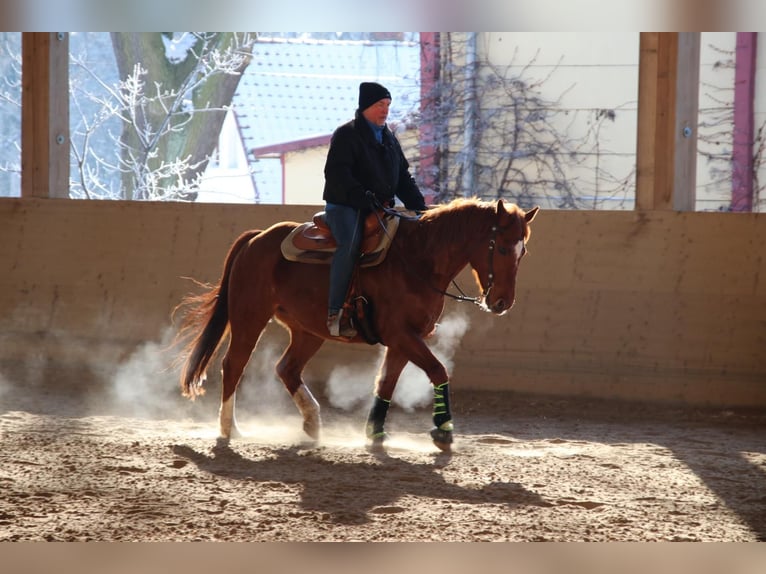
377	418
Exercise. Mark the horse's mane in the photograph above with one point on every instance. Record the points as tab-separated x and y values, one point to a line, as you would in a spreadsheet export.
461	217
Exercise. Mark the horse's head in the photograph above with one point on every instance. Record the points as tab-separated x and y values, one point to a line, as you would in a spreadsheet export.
495	261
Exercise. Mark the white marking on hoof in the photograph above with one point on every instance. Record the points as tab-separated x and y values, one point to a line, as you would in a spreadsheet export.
227	421
309	408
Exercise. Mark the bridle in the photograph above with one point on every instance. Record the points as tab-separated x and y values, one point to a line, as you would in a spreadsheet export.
462	298
491	262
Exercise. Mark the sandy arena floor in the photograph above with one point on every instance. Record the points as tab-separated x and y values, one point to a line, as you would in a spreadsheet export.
522	469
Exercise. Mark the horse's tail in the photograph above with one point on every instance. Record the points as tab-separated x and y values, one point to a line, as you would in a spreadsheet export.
207	315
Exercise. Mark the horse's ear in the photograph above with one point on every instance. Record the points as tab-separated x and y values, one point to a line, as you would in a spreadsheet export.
530	215
500	206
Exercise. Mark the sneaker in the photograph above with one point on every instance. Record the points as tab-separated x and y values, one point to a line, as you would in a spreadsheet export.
340	326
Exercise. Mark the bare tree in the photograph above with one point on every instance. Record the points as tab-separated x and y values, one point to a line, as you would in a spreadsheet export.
169	111
525	146
759	160
715	141
714	132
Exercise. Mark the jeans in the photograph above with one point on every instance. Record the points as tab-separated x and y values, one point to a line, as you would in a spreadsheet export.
347	226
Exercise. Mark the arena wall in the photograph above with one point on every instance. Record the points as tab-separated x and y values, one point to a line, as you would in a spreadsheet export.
659	306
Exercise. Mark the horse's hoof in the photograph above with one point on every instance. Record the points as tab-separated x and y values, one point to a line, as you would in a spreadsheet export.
442	439
234	432
377	442
312	428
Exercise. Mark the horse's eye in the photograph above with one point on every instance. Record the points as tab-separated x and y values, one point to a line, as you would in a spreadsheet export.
502	250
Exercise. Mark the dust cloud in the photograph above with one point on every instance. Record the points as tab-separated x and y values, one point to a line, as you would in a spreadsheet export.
144	385
414	390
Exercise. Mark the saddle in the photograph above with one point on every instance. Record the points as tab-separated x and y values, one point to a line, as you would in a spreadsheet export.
312	242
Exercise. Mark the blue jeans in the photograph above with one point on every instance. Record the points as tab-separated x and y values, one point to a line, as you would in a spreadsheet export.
347	226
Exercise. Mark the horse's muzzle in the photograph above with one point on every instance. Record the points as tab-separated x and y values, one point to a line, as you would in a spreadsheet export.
501	306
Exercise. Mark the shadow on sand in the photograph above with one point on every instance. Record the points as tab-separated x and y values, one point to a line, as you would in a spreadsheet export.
350	492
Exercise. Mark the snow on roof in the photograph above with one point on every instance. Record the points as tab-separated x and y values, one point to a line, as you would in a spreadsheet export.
297	89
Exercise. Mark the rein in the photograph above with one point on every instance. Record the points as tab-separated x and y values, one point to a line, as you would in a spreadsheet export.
462	297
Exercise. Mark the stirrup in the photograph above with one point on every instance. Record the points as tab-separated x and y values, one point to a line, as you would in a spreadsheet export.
338	327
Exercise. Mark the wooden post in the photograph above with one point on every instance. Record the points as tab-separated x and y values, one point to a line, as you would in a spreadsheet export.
686	121
666	150
45	114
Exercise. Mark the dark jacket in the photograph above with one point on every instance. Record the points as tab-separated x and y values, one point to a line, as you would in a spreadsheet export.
356	163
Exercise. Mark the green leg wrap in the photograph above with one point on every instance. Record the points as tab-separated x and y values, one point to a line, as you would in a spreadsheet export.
442	416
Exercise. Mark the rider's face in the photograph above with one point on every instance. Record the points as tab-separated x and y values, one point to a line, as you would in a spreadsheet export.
378	112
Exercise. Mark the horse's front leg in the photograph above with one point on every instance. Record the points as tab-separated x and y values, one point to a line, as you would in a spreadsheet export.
385	383
414	349
420	354
442	417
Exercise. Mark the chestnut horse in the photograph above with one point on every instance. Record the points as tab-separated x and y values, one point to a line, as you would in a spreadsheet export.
407	288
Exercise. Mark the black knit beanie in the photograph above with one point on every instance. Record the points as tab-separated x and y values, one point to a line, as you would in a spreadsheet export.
371	92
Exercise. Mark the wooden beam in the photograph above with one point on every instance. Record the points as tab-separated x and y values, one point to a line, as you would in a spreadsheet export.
686	121
45	114
655	68
666	149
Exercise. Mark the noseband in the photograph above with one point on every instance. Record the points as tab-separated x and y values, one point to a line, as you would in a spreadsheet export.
491	266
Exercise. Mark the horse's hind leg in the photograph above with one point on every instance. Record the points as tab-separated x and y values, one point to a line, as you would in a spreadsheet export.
234	362
302	347
385	383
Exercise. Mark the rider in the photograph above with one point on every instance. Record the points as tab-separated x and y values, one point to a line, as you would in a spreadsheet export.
364	159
